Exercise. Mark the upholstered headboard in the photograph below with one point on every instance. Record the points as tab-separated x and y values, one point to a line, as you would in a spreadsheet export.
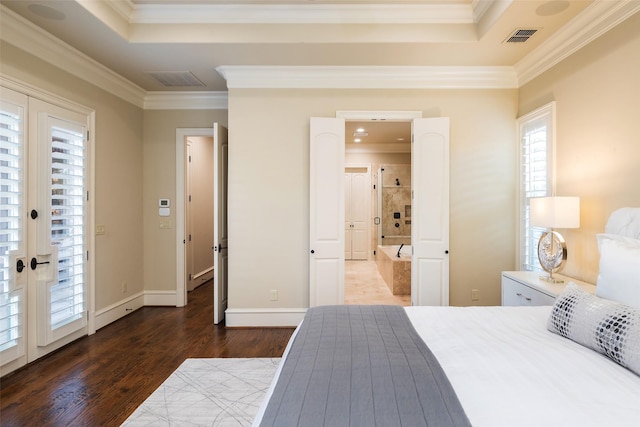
624	222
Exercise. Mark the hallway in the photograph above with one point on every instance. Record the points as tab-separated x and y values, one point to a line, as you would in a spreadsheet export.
364	285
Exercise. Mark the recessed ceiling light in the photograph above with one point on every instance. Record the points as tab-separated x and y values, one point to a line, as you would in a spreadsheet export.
360	130
399	139
357	140
46	12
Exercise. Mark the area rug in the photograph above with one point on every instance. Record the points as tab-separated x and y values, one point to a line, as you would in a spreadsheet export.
208	392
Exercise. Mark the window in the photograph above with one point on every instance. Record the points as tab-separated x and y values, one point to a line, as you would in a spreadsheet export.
536	161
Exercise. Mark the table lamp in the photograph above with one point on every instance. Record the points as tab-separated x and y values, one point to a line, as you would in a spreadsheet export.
553	212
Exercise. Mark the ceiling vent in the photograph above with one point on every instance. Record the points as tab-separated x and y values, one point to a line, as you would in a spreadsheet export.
521	35
176	79
360	134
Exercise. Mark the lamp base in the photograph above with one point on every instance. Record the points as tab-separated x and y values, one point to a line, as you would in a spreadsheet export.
550	279
552	253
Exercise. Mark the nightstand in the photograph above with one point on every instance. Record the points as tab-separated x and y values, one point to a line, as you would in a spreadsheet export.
526	288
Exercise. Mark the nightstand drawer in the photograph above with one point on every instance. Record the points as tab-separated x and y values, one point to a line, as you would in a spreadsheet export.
516	293
527	288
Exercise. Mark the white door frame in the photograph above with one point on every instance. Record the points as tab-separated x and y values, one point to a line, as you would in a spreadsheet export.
180	204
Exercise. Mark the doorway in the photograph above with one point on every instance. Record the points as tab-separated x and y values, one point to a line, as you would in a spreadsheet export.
375	148
217	219
430	207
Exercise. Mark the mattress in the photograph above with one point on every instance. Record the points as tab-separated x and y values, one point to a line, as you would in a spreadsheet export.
507	369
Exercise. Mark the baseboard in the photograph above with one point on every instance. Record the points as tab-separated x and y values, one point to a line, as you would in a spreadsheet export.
264	317
162	298
118	310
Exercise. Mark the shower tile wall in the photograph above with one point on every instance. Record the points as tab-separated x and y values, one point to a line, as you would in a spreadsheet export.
396	199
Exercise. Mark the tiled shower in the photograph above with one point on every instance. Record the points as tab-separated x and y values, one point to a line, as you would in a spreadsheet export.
395	206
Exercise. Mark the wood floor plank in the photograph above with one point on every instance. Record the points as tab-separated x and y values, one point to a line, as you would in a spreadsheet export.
101	379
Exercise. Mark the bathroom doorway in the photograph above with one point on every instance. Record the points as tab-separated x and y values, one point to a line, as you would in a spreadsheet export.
378	153
430	206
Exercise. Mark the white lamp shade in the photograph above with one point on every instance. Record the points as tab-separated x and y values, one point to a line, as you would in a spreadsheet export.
555	212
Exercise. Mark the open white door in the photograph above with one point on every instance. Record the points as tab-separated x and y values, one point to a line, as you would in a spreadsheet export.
220	237
430	211
326	210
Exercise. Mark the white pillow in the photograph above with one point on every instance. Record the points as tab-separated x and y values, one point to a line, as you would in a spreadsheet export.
605	326
619	275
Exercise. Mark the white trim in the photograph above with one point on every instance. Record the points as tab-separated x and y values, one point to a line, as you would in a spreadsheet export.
202	273
265	317
594	21
186	101
180	207
43	95
367	77
371	115
32	39
303	14
159	298
118	310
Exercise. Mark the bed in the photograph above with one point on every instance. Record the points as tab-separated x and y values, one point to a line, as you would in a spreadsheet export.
576	363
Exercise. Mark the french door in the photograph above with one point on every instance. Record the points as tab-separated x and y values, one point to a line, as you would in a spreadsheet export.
43	228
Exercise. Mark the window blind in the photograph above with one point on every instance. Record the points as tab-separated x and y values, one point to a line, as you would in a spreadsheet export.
535	179
67	225
11	181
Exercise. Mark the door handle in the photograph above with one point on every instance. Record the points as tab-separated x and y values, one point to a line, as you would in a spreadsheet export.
20	266
35	263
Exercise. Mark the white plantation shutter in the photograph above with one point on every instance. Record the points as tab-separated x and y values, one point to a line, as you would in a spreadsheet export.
11	239
67	224
536	173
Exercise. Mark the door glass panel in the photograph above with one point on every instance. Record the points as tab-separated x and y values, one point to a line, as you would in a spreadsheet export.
11	239
67	223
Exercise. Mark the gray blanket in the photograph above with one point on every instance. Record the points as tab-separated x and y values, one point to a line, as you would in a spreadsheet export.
361	366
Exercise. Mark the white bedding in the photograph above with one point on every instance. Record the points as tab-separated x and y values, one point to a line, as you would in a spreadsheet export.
509	370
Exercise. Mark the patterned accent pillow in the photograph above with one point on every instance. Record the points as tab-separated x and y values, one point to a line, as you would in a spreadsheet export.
605	326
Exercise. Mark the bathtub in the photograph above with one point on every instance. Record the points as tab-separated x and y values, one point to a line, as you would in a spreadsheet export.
395	271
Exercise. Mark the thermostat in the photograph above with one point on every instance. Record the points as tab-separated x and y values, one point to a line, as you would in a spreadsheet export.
163	209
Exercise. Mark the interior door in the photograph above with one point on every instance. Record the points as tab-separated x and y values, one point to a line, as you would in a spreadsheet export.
220	236
356	213
326	211
430	211
44	301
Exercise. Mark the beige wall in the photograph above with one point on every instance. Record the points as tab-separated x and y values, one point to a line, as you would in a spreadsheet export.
269	181
160	183
118	172
597	94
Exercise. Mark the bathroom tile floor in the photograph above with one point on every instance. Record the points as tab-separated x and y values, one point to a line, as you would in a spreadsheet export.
364	285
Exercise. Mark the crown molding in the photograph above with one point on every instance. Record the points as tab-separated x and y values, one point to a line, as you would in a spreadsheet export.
594	21
23	34
186	101
303	14
368	77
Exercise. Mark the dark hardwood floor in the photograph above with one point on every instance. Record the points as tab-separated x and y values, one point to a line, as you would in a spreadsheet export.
101	379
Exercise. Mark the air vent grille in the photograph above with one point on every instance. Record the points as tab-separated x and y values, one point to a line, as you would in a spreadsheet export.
176	78
521	35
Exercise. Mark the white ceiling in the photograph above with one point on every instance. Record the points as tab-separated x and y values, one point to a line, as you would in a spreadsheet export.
135	37
280	43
